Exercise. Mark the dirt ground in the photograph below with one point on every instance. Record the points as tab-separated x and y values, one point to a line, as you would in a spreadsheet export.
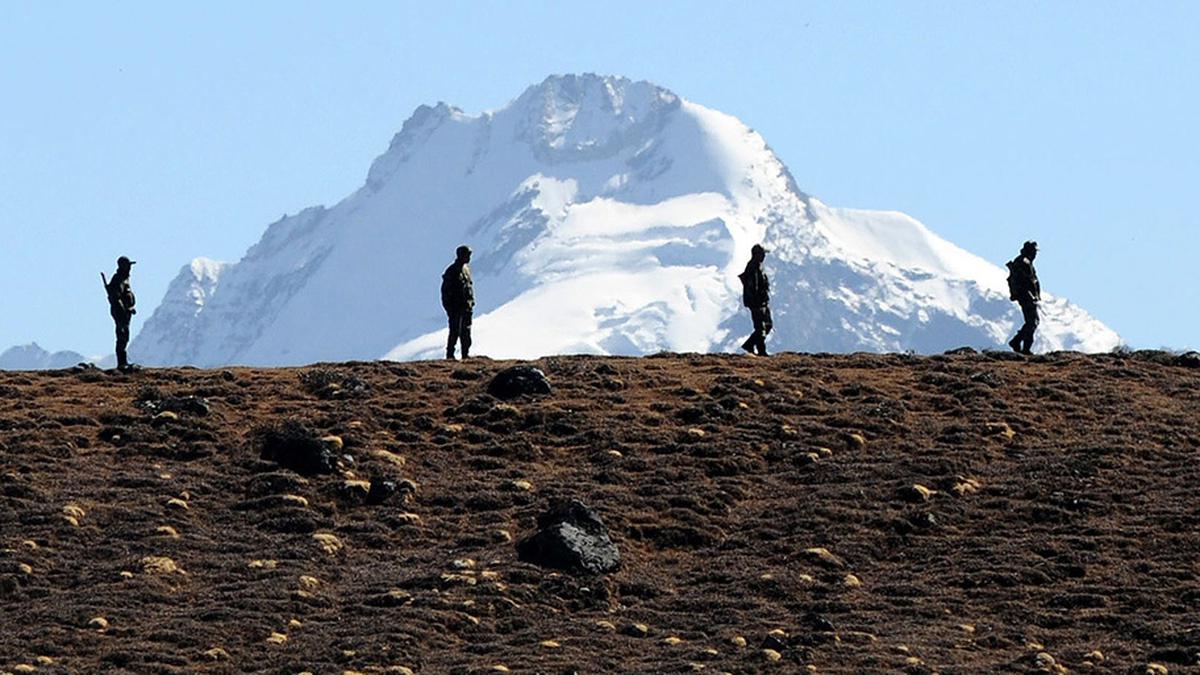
767	512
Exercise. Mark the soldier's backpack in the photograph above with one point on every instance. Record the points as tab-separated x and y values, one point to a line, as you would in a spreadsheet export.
1013	291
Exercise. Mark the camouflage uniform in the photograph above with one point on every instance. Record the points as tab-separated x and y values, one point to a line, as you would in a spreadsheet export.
120	305
458	299
1027	292
756	295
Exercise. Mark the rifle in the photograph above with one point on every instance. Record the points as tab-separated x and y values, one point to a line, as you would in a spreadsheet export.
107	290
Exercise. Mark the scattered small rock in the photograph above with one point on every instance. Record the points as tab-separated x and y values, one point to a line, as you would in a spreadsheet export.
775	640
637	630
73	513
823	557
98	623
1000	429
216	654
155	564
915	493
966	486
390	457
771	655
1046	663
354	490
328	542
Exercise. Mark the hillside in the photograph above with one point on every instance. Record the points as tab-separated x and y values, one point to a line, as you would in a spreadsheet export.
1062	520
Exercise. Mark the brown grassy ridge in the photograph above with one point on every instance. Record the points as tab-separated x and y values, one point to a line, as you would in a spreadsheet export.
1056	525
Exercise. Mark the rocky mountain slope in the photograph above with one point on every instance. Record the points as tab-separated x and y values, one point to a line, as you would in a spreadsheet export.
608	217
856	513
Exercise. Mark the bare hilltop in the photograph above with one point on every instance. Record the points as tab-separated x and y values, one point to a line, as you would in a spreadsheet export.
827	513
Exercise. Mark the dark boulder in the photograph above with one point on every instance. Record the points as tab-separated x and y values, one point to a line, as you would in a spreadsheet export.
292	446
571	537
381	491
519	381
154	401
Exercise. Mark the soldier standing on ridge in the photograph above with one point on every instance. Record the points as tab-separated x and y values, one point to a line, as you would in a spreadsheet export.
458	299
756	294
120	306
1024	289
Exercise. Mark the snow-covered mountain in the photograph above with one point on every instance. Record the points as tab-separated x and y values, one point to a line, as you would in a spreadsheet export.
33	357
607	216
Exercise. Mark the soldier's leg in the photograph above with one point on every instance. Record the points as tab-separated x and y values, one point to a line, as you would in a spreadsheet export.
759	339
1023	338
452	340
750	345
765	325
122	343
1031	323
464	333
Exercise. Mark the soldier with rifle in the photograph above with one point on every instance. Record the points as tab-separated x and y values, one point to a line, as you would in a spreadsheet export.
1025	290
756	296
120	306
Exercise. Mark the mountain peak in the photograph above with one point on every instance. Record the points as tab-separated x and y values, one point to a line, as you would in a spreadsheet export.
571	117
33	357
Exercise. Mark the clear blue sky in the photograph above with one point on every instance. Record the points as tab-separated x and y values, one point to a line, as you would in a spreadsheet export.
168	130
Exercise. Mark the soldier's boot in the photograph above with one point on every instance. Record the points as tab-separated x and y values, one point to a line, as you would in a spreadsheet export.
1015	343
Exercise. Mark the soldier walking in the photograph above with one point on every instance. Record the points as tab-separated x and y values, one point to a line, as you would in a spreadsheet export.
756	294
120	306
458	299
1024	289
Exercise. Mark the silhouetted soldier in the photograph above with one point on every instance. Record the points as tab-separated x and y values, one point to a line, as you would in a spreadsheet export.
120	305
1023	288
756	294
458	299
